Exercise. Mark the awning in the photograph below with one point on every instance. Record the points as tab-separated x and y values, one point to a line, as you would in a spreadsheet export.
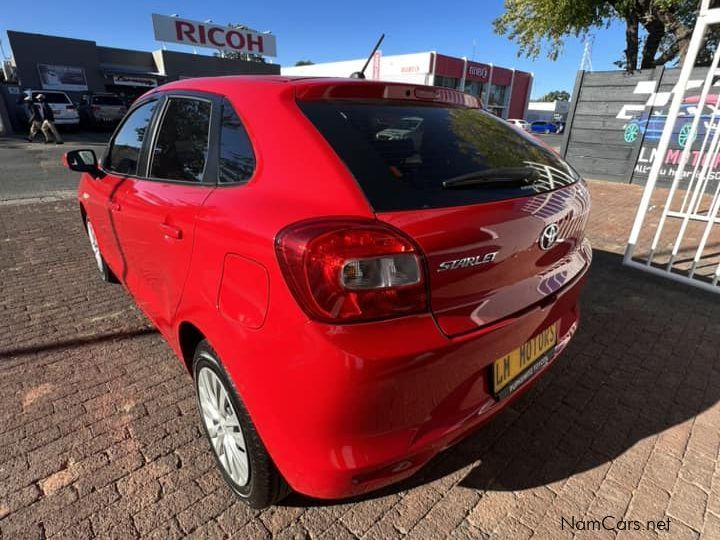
120	69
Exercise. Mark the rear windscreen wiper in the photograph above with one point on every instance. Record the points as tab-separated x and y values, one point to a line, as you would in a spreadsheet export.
501	176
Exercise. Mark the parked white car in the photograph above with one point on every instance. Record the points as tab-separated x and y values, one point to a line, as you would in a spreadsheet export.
409	127
522	124
63	108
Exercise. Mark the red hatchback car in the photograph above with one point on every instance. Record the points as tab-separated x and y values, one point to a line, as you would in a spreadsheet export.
357	274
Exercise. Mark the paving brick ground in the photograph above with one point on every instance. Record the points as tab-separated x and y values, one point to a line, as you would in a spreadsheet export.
99	434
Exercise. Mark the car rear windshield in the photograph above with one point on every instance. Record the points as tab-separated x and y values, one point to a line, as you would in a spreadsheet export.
106	100
401	154
53	97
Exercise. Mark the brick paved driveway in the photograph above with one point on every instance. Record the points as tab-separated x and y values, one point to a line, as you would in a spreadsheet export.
99	433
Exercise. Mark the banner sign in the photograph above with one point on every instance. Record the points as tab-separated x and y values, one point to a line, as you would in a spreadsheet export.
71	78
130	80
213	36
645	124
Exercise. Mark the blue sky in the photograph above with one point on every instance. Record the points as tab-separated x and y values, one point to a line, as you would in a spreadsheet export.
324	30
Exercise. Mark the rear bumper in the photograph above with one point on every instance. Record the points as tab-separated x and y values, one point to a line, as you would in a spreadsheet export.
374	403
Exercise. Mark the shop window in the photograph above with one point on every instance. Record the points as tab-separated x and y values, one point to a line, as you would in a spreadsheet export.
474	88
498	96
446	82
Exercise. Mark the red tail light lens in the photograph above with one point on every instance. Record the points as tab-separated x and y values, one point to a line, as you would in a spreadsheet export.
343	271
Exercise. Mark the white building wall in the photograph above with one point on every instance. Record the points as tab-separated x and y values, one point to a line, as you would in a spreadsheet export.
543	111
410	68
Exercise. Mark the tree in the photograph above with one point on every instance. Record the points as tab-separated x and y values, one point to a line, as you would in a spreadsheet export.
304	63
661	27
235	55
556	95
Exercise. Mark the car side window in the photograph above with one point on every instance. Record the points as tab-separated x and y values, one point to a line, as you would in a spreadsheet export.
181	148
237	159
124	153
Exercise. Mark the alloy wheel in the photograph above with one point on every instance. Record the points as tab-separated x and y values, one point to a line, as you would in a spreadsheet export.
94	246
223	426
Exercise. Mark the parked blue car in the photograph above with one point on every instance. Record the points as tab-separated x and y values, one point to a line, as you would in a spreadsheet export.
652	126
544	127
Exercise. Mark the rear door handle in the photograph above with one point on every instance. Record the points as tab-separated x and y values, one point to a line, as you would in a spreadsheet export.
171	232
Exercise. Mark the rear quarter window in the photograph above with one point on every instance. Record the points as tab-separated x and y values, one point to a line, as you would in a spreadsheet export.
54	97
401	154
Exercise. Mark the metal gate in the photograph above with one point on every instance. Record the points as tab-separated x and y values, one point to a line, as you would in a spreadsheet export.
676	233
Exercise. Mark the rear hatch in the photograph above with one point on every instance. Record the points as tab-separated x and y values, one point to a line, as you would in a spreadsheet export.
494	248
108	108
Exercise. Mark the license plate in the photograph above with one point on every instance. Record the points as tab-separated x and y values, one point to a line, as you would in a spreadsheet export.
513	369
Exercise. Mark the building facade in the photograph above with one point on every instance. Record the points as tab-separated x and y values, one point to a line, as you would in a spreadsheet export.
79	66
503	91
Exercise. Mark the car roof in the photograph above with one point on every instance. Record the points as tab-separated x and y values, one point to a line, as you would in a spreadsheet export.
46	92
322	88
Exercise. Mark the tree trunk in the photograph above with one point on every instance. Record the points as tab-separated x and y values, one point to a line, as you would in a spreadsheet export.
681	35
632	43
656	31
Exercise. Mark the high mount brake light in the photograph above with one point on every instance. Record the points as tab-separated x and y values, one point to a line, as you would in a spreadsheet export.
352	270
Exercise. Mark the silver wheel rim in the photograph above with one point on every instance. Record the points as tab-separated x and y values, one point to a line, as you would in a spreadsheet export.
94	245
223	426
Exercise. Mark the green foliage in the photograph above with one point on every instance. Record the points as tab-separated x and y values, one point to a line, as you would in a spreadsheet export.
543	24
661	27
556	95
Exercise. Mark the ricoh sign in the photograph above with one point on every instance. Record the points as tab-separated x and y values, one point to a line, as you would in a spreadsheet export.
213	36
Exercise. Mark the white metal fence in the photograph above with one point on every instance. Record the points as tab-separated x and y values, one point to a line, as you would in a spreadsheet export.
676	230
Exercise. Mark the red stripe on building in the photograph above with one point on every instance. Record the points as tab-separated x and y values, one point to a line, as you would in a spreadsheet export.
502	76
447	66
520	93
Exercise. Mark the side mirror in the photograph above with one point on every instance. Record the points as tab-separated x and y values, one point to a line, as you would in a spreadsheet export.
84	161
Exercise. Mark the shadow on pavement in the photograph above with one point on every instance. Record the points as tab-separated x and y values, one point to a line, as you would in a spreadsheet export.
78	342
644	360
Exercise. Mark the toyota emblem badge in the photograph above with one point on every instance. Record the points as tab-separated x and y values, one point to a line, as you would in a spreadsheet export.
549	236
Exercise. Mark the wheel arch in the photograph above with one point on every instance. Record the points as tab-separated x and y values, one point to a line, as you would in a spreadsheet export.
83	214
189	337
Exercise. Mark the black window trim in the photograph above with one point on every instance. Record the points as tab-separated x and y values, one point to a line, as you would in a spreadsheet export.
224	185
210	178
209	175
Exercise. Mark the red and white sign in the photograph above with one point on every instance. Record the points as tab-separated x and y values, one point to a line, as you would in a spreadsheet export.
213	36
377	58
478	72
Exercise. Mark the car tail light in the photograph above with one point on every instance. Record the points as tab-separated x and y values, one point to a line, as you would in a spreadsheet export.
95	108
352	270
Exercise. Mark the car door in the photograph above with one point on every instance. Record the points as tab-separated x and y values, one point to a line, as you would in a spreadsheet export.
158	211
100	195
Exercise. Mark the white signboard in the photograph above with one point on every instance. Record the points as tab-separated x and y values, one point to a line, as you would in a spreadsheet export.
71	78
131	80
213	36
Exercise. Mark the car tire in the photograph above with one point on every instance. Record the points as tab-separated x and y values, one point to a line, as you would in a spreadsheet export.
105	273
239	452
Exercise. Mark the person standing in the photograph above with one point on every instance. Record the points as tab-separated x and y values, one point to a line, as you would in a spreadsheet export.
34	118
48	123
